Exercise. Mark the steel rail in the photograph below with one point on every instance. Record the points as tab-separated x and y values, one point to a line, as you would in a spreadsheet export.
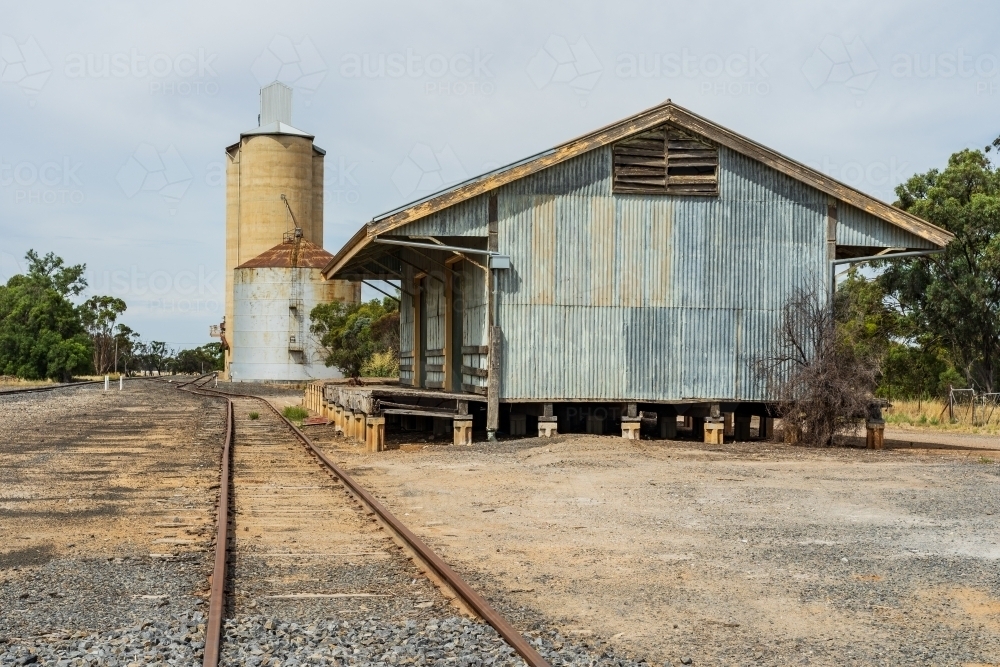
217	597
470	597
32	390
200	377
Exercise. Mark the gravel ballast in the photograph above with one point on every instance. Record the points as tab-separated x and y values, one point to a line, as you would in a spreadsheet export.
171	640
266	641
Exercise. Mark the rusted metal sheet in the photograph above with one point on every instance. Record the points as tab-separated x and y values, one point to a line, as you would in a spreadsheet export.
857	227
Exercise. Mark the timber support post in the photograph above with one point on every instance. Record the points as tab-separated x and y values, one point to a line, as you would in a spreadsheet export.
741	428
668	426
875	432
765	431
493	389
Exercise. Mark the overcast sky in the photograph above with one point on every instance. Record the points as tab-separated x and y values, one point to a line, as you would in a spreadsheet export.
115	116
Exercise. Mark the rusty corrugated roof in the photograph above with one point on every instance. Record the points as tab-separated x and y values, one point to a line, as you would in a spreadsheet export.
289	255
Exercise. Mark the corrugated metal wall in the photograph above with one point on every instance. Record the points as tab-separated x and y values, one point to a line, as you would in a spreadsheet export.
645	297
465	219
648	297
434	306
474	314
857	227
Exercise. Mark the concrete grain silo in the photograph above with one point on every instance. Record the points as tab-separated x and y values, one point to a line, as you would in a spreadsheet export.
273	295
274	186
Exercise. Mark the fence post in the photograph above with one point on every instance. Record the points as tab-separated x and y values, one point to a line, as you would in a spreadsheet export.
951	404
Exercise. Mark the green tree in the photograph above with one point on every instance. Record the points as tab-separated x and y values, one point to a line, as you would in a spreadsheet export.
41	330
100	314
204	359
951	301
157	357
353	334
127	344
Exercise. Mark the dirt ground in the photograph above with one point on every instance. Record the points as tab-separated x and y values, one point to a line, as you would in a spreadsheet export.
917	438
741	554
107	505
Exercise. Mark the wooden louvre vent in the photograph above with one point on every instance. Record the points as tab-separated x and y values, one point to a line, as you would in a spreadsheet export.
666	161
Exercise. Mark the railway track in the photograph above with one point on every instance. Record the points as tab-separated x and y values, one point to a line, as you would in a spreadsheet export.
34	390
298	538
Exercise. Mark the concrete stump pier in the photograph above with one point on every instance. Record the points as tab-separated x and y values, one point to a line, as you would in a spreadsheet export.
463	430
548	427
631	427
714	432
375	436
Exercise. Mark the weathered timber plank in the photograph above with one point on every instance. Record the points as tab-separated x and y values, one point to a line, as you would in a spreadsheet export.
493	394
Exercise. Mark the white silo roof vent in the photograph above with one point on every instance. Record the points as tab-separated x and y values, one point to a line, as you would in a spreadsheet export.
275	104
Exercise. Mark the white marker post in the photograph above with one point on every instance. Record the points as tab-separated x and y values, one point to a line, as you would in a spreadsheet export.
121	382
107	382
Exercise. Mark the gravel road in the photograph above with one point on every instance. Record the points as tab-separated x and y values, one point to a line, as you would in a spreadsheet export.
754	553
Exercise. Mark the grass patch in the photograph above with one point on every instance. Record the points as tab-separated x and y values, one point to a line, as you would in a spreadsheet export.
295	412
985	459
254	415
933	414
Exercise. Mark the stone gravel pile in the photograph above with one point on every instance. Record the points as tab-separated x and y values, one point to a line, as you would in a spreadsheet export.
176	640
260	641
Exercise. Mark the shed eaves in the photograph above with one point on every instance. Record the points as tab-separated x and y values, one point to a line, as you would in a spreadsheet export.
667	112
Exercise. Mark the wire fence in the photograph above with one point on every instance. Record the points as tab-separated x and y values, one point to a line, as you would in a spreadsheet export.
965	406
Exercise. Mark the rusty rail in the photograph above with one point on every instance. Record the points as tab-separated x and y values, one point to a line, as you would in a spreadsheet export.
470	597
217	597
32	390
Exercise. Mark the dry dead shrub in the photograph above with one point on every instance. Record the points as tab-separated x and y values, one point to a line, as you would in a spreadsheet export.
821	385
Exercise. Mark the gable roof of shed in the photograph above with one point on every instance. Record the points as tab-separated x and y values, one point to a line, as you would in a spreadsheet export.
668	112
